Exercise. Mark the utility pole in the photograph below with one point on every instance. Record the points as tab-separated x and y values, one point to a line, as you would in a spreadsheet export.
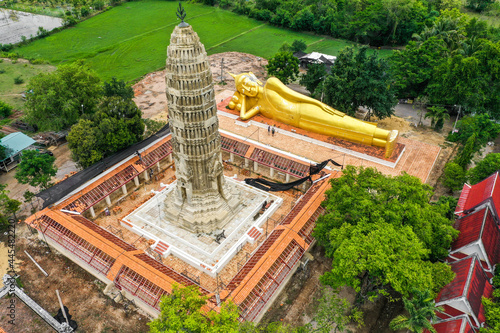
458	115
62	307
222	70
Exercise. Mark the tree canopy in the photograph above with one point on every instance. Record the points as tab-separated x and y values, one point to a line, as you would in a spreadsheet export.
116	125
383	231
315	74
359	80
36	169
182	311
57	100
284	66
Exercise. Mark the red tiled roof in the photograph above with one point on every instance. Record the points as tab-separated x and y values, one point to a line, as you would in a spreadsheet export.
470	228
457	325
481	192
449	312
477	287
491	238
478	226
463	198
456	287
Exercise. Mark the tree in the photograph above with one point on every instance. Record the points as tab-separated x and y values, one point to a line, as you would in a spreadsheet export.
360	80
299	45
152	126
383	231
8	207
484	168
453	176
465	155
182	311
118	88
315	74
438	116
5	110
117	125
284	66
421	310
36	169
413	67
57	100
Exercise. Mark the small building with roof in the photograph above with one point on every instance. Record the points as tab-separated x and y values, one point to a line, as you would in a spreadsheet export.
482	194
480	235
14	144
315	58
463	295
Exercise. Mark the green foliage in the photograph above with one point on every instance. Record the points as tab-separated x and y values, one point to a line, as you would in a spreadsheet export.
481	125
479	5
284	66
451	202
181	311
299	45
438	115
5	110
383	231
492	307
18	80
421	312
36	169
116	125
464	157
57	100
359	79
285	47
484	168
8	207
315	74
453	176
118	88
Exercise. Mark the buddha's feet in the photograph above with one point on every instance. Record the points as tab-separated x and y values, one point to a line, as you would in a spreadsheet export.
391	143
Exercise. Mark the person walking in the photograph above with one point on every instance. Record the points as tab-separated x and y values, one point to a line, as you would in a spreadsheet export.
273	130
269	130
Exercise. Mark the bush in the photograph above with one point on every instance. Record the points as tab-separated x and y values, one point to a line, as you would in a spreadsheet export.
18	80
5	109
299	45
464	157
37	61
453	176
84	12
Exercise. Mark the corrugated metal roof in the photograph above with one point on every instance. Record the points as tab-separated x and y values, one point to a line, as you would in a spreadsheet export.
481	192
16	142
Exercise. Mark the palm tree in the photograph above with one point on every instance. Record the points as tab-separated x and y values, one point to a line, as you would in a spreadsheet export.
438	116
421	309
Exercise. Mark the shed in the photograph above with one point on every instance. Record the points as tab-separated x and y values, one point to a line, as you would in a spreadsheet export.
14	143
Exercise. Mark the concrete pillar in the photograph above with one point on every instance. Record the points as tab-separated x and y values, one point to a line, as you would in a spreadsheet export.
108	201
136	181
146	174
124	189
231	157
247	162
287	178
92	212
169	158
158	166
271	172
255	166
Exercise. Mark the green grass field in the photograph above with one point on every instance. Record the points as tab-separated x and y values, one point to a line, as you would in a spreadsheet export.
10	92
131	40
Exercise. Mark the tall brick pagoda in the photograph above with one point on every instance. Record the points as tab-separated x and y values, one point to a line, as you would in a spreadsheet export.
202	201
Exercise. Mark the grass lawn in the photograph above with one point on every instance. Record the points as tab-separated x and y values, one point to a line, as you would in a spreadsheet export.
10	92
131	40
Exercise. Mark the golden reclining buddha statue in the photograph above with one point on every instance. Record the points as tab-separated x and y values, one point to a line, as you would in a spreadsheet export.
276	101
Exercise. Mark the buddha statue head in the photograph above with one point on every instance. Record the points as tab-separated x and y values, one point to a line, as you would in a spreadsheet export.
247	83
